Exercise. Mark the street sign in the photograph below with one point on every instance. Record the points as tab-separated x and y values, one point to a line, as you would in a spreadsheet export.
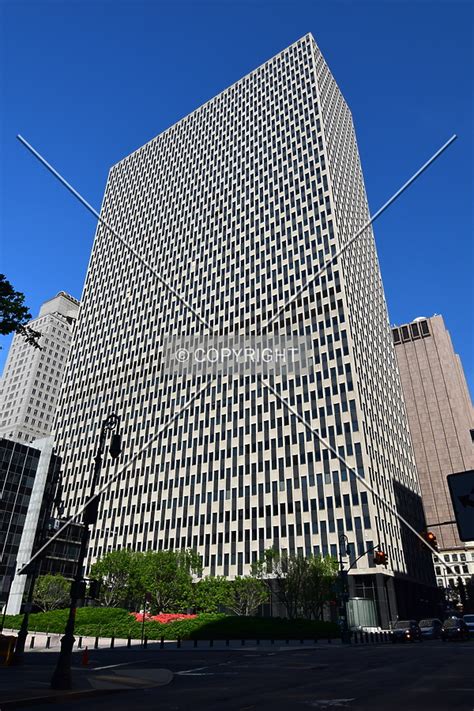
461	487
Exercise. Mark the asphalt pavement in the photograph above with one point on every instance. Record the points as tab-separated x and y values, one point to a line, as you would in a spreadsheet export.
430	675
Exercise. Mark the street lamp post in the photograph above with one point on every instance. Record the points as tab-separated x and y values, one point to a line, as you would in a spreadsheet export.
61	678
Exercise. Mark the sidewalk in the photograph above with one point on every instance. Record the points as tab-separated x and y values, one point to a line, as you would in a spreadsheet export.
40	643
29	684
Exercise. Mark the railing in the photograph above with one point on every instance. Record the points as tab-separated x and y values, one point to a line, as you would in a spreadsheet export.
361	637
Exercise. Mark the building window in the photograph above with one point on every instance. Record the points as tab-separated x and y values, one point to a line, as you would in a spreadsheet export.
425	329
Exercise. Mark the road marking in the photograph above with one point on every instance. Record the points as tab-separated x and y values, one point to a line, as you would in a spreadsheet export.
194	674
331	703
205	674
123	664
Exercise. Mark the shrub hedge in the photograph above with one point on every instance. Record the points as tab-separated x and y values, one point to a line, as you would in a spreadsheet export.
107	622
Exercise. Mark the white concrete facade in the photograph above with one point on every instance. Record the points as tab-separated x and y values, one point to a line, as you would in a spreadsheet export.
31	381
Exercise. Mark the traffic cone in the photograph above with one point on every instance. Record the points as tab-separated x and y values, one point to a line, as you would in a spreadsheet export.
85	657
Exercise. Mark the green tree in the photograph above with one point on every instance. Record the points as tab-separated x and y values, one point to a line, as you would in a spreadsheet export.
168	576
14	315
246	595
284	577
211	593
318	585
51	592
120	573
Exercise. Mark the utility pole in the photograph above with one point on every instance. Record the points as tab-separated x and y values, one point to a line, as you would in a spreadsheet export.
61	678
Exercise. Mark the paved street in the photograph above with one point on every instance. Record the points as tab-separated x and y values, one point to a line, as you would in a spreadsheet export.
431	675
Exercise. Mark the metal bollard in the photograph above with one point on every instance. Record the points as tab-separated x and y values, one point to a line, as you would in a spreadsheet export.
96	643
258	641
211	642
227	643
112	642
48	642
162	642
315	640
145	642
178	643
301	641
195	643
329	640
32	641
272	641
242	642
129	641
79	643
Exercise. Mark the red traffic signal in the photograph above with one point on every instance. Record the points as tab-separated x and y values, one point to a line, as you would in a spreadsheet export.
430	538
380	558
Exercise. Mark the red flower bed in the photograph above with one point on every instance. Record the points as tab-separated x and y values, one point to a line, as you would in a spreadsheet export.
164	618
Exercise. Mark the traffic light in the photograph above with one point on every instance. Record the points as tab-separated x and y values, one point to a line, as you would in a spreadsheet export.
91	512
380	558
94	589
78	589
115	446
430	538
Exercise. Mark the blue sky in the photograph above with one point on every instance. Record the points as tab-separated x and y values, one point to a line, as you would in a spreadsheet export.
88	82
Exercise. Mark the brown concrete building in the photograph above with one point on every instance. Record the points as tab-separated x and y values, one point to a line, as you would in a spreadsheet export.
441	419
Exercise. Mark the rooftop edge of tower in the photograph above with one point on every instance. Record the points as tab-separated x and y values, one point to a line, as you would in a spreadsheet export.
307	37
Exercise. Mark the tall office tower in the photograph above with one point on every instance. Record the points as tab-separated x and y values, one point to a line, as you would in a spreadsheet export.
236	206
441	419
31	381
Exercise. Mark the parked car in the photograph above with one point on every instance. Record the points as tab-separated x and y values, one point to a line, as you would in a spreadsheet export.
469	620
430	628
406	631
454	628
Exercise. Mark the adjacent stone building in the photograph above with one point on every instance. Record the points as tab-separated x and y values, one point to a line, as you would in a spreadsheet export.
441	418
